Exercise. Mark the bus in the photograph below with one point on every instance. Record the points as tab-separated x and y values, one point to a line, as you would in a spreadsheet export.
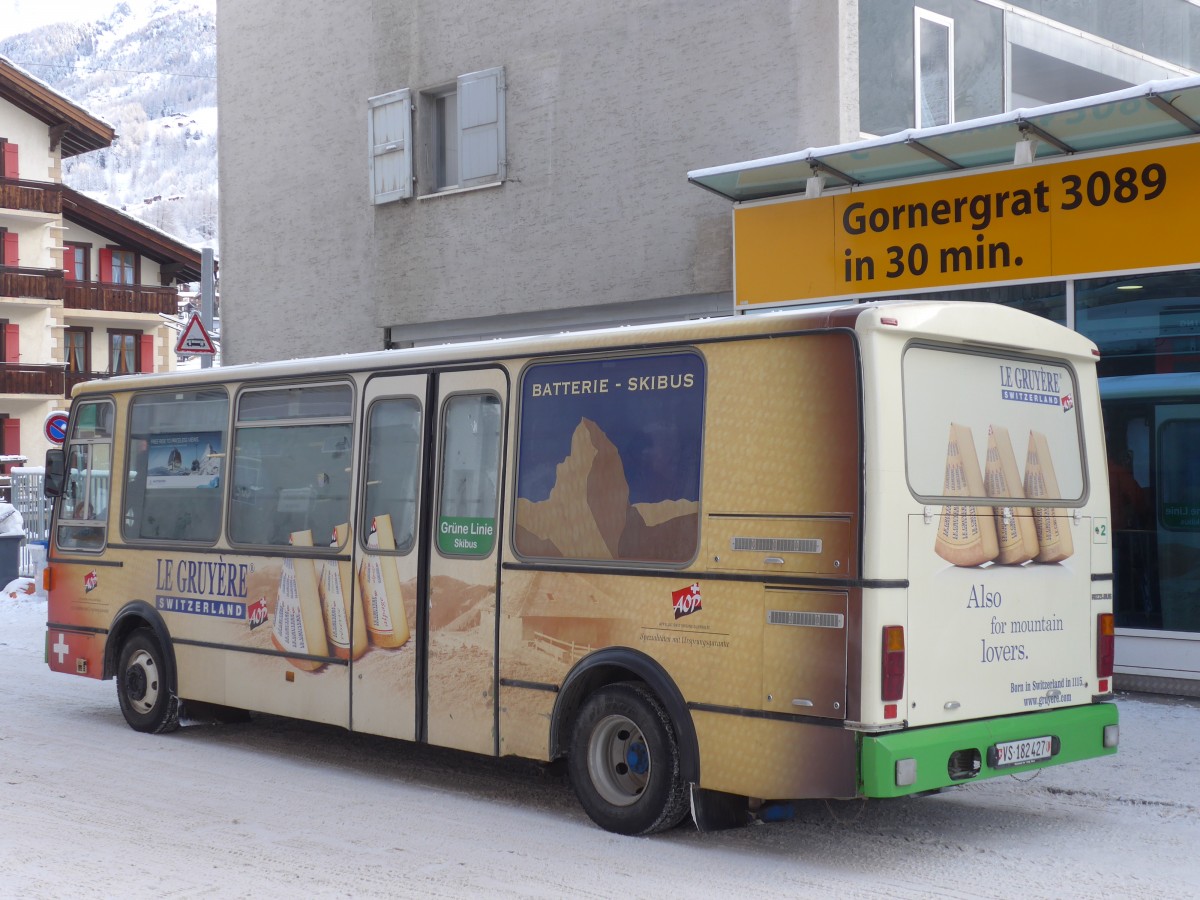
840	553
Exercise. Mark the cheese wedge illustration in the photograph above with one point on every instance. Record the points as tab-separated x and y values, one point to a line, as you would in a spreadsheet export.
966	534
299	622
1053	528
345	623
383	603
1016	532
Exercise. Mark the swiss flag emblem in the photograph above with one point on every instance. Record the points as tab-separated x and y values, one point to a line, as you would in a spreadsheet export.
686	600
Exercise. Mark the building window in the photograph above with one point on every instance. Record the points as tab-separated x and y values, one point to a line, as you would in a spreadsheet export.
461	137
123	352
445	140
79	350
933	58
75	262
118	266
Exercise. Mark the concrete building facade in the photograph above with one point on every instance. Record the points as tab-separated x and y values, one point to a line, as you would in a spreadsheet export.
604	109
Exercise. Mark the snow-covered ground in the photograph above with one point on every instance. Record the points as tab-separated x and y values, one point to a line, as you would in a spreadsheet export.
278	808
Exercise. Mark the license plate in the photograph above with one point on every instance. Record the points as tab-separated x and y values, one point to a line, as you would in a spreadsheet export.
1020	753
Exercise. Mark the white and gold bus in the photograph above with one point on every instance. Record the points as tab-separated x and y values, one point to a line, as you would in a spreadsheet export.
852	552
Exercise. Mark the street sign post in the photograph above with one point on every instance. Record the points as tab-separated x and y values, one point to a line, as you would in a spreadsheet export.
194	338
55	427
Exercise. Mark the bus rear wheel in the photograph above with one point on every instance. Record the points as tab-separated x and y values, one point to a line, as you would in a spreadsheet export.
624	763
143	685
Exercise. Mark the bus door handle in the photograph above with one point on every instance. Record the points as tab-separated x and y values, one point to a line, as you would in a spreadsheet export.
777	560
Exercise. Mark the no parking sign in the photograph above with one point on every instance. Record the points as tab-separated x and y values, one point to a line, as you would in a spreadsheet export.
56	427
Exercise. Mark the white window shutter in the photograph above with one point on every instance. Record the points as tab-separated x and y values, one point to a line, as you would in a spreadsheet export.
389	127
481	150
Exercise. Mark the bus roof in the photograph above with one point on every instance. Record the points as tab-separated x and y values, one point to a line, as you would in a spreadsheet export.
936	319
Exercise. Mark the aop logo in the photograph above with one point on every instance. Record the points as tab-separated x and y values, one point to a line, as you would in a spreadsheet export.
256	613
686	600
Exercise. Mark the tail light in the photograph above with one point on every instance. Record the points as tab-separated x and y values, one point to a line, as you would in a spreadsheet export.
47	579
1105	642
893	662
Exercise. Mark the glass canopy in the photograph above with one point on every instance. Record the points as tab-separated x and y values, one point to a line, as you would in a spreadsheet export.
1155	111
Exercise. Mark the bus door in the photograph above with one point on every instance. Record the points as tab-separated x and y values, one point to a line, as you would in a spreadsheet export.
384	671
463	554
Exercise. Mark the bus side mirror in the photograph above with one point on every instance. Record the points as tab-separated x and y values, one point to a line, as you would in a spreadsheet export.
56	467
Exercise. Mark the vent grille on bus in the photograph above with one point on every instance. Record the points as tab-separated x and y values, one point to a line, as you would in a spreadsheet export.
777	545
805	619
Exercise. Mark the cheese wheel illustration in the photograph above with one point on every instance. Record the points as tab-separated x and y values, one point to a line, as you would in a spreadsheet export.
1053	528
966	534
1016	532
344	621
299	621
379	580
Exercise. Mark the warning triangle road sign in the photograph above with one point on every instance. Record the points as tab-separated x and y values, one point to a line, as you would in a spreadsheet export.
194	339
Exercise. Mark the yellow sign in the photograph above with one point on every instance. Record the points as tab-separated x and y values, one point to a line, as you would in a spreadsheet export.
1056	220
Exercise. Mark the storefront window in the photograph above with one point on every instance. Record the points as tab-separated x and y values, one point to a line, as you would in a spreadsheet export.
1143	324
1046	300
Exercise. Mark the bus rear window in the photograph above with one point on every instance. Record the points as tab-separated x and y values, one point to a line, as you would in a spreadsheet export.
979	425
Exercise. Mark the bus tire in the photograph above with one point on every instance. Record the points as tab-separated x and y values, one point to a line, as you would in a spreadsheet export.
623	761
143	685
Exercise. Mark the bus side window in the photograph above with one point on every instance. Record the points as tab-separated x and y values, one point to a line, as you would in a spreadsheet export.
176	464
393	467
467	495
83	510
291	464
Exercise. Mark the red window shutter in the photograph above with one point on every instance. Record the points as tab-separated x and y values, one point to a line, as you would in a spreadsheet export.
146	355
11	249
11	170
12	343
106	272
12	437
68	262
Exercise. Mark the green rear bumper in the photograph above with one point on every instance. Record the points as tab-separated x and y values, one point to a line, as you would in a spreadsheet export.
1079	729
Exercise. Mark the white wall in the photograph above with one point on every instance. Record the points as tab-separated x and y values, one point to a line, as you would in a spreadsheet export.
35	160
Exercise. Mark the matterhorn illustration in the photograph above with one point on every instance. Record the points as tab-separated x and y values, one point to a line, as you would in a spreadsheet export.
588	514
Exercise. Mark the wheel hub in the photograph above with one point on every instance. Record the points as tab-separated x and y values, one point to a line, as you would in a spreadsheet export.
637	758
135	683
619	760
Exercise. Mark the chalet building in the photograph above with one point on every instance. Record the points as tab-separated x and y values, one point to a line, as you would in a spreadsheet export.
82	285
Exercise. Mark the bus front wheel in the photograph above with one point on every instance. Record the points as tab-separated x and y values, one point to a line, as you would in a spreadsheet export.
143	685
624	762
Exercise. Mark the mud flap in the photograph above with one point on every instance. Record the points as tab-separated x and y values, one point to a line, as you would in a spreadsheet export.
717	811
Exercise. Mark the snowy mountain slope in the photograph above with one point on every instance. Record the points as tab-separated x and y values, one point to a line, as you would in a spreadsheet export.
147	67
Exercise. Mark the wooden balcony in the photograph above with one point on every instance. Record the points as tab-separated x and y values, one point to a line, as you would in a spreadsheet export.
126	298
45	380
30	196
43	284
74	378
